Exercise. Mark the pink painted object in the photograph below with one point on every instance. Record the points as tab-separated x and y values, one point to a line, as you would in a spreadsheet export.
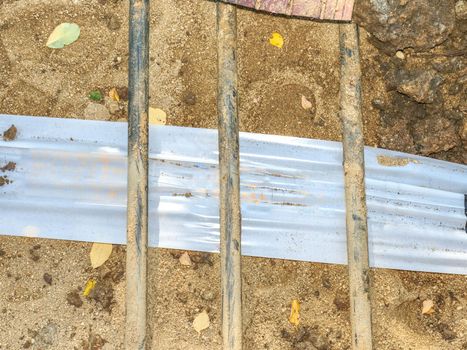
334	10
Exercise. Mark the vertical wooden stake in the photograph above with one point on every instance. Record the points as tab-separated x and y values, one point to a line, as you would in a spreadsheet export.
354	171
137	207
229	177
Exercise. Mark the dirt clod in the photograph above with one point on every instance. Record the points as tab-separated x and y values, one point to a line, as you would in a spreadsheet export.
73	298
208	295
113	23
201	258
189	98
47	278
94	342
446	332
96	111
326	282
306	338
4	180
123	92
103	294
34	254
10	166
341	301
10	133
434	135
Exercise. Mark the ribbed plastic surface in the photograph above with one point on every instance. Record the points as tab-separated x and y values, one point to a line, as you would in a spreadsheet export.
70	183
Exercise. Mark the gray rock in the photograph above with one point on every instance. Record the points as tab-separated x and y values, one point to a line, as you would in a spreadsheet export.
46	336
398	24
461	9
111	105
96	111
420	85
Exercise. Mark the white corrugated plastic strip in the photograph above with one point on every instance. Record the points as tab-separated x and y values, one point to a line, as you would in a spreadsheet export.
70	183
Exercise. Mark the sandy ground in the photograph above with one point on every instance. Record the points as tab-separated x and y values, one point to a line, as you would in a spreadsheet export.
36	80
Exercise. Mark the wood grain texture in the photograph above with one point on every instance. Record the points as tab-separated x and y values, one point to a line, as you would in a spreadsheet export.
229	178
334	10
350	101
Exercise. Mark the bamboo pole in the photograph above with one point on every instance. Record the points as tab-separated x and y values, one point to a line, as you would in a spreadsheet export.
137	207
229	178
354	171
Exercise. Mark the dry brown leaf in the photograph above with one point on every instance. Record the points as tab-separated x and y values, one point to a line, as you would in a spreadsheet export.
185	259
305	103
294	317
113	94
99	254
157	116
428	307
201	322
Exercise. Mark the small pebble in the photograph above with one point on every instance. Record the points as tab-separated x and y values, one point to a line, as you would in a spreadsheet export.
47	278
400	55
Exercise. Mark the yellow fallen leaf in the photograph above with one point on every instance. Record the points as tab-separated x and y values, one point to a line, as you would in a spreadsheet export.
89	286
305	103
99	254
185	259
428	307
63	34
113	94
276	40
294	317
201	322
157	116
